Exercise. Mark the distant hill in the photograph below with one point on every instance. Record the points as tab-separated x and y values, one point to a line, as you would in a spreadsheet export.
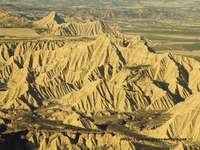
105	3
8	20
61	26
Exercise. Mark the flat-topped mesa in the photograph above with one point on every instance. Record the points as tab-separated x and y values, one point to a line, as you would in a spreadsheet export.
59	26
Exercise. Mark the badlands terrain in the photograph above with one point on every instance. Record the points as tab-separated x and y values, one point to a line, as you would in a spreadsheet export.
169	24
75	83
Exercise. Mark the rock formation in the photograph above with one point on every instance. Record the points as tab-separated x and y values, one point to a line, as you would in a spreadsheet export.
56	25
86	86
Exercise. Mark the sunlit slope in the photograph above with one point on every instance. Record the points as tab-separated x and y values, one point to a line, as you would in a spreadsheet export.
57	25
77	82
158	81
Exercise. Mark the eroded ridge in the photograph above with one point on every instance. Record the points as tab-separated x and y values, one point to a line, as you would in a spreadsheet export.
109	92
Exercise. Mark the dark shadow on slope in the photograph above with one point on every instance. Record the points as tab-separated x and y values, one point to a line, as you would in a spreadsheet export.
119	54
3	87
75	140
146	43
15	141
176	96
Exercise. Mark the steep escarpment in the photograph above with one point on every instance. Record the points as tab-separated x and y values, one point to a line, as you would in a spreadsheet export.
106	93
50	20
60	26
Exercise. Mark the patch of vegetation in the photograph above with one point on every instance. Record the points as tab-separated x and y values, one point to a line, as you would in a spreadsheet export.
148	119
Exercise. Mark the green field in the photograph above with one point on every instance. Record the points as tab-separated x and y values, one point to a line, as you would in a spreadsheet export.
164	38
